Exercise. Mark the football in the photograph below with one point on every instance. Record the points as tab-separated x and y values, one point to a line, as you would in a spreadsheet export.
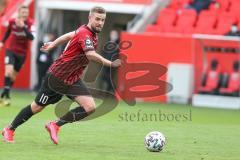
155	141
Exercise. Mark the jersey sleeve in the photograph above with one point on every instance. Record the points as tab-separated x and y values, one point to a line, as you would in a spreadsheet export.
10	23
85	42
8	31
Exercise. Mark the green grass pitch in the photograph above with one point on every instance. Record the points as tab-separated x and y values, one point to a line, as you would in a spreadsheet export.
193	134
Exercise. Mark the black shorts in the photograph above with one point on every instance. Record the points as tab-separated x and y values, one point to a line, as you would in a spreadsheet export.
14	59
52	90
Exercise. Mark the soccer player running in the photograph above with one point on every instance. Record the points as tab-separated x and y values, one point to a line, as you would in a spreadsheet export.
66	72
19	32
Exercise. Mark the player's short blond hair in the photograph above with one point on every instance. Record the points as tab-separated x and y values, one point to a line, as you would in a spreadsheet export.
97	9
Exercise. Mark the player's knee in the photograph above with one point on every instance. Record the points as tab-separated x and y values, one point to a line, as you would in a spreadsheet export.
9	73
90	108
36	108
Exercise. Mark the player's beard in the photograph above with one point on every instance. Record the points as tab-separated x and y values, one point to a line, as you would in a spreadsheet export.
96	30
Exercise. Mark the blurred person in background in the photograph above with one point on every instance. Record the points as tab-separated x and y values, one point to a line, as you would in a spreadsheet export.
19	31
200	5
111	49
234	31
44	60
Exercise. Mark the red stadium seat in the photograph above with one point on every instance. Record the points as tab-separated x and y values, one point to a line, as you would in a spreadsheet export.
211	79
211	82
233	2
186	19
233	86
224	23
224	5
235	7
206	22
166	19
228	17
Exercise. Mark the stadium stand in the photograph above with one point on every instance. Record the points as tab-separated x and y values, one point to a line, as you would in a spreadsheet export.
177	18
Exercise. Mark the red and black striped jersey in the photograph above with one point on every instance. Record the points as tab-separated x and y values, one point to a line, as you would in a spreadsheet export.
18	41
72	62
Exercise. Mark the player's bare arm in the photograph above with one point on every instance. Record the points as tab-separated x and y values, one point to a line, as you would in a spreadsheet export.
92	55
61	40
